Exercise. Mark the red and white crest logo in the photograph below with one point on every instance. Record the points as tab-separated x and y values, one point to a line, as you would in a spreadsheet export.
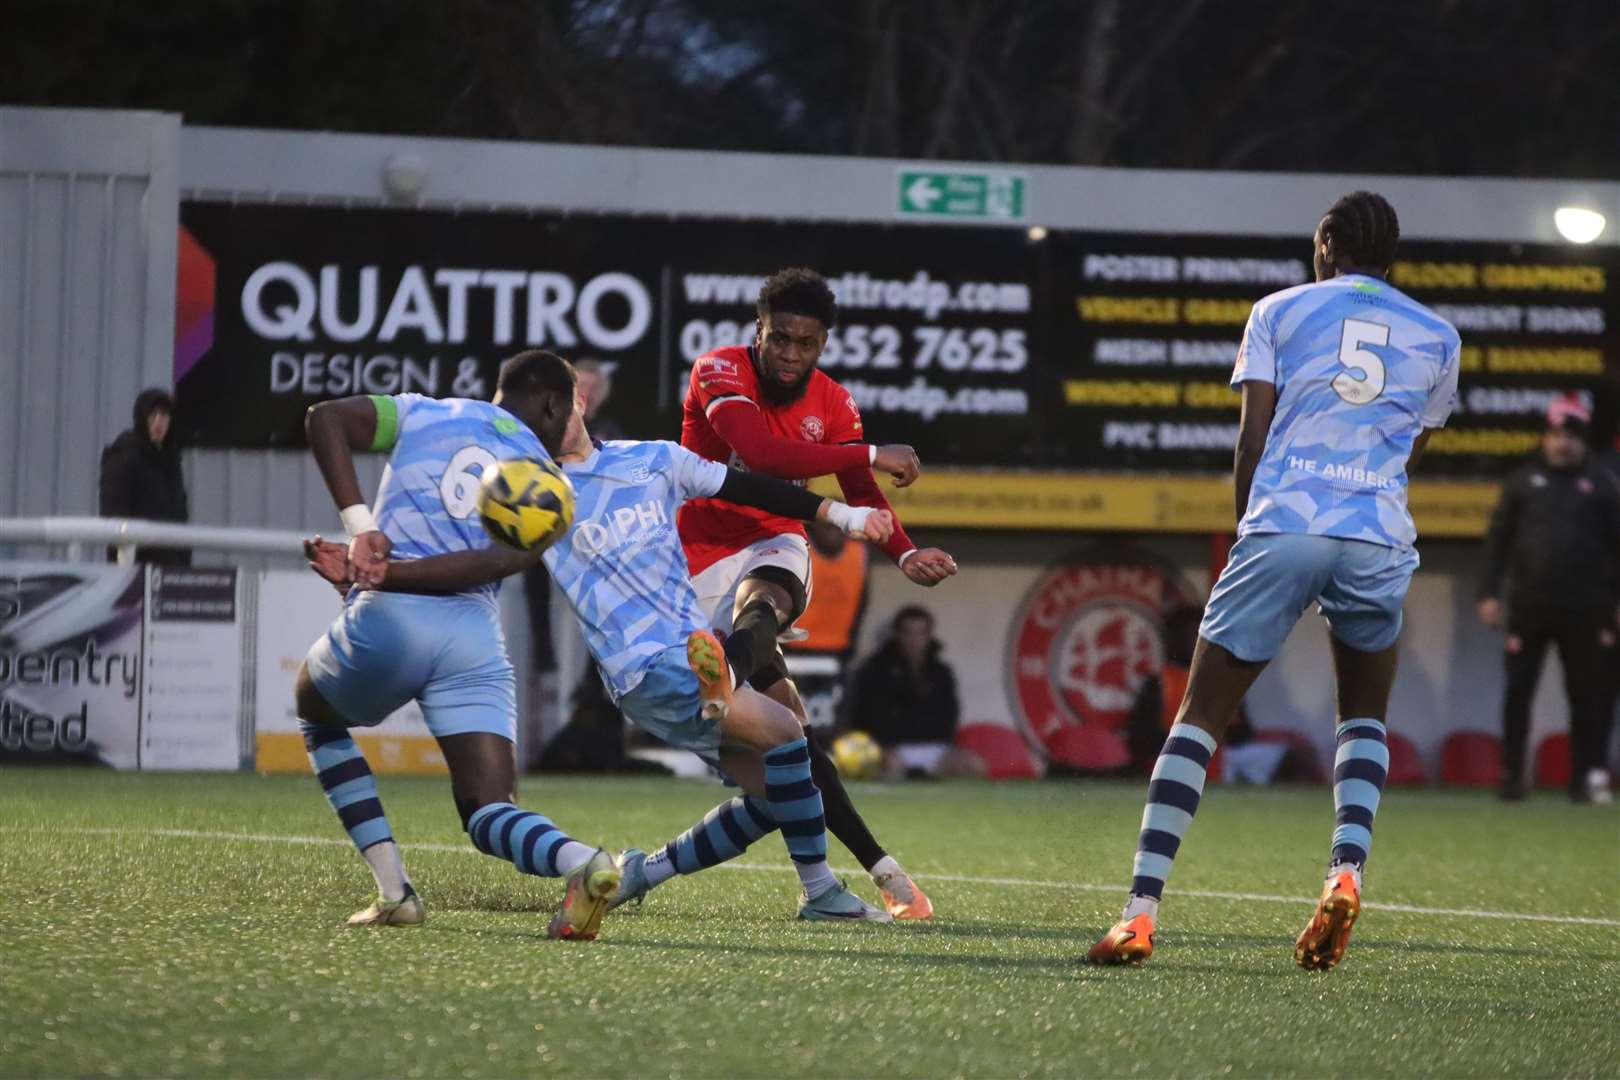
812	428
1087	634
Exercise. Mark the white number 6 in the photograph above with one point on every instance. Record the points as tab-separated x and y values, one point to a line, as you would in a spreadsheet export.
459	487
1360	388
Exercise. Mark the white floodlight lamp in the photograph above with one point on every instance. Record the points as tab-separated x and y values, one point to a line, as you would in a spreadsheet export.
1579	225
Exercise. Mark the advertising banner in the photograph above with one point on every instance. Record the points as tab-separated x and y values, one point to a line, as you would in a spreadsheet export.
295	608
284	306
989	352
70	662
1149	328
191	701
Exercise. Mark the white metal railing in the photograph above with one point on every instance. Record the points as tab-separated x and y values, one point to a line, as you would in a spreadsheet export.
125	534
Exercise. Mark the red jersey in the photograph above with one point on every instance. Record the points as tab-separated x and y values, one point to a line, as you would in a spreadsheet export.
725	379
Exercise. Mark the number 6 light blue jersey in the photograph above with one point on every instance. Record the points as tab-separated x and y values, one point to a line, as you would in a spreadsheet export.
427	501
621	564
1360	369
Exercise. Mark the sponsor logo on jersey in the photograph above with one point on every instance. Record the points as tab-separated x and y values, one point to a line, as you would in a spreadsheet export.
812	428
1086	635
718	365
623	525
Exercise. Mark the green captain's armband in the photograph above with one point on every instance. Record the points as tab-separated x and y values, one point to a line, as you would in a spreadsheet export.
387	422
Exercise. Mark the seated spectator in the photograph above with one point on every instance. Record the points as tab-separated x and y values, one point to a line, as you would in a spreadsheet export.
140	476
904	696
593	739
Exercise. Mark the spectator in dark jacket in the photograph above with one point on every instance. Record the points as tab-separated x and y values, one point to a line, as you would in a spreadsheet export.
1553	556
904	696
140	475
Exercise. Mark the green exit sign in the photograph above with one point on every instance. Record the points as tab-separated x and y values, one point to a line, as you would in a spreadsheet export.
990	195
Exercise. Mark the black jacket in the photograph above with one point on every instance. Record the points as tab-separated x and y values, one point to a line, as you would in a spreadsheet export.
895	710
141	480
1555	539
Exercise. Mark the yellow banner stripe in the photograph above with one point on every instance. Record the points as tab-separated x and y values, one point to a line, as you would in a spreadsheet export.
1145	502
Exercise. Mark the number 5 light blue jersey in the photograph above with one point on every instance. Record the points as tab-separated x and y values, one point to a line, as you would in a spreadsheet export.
427	501
621	564
1360	369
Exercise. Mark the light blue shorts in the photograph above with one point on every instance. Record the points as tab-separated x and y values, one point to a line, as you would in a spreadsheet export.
1272	577
666	704
446	652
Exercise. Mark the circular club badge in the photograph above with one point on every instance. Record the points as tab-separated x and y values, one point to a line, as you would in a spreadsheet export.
1086	635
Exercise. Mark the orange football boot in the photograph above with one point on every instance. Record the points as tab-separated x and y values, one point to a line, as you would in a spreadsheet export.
902	898
1129	942
708	659
1321	944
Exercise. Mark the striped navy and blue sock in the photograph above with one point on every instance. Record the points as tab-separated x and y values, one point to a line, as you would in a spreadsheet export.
526	840
1173	793
794	803
724	833
1360	765
346	778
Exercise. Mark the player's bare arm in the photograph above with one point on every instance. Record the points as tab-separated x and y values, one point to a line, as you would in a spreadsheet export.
335	430
1259	403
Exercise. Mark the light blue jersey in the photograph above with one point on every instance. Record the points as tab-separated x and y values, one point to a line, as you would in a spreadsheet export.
427	501
621	565
445	652
1360	369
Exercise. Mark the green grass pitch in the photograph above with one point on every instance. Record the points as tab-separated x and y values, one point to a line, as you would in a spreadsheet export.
131	951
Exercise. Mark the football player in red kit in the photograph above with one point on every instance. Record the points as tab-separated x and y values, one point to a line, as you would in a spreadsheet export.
769	409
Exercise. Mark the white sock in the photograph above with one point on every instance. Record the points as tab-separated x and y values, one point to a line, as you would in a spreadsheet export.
571	856
817	878
883	868
1141	905
659	867
388	869
1338	868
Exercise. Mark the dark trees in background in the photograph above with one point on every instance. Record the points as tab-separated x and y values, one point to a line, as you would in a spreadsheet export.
1402	86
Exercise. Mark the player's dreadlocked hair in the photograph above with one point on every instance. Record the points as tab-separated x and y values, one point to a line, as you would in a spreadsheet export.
1364	229
798	291
536	371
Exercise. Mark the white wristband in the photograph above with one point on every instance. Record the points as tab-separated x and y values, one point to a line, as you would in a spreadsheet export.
901	561
871	458
846	517
357	519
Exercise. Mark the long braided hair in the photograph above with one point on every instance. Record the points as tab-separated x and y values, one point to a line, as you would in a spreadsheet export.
1364	229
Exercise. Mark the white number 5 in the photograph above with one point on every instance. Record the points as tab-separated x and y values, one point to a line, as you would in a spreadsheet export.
1363	379
459	487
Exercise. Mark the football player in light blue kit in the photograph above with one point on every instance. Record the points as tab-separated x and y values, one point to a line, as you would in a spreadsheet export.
1343	382
624	573
437	642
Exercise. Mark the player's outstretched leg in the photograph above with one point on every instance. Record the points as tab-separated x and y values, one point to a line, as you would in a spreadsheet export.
483	772
351	789
724	833
756	732
1174	791
755	657
1360	765
1215	687
533	844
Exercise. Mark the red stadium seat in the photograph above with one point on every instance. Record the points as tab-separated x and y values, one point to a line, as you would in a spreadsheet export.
1006	755
1471	759
1088	748
1552	762
1405	763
